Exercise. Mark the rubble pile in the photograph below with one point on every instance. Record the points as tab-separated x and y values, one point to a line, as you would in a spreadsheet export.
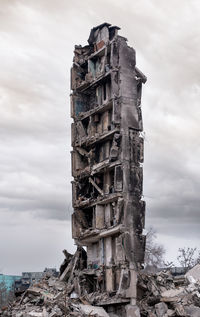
163	295
158	295
66	295
49	298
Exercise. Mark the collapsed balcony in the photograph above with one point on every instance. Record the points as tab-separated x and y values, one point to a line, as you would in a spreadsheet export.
98	94
103	185
102	155
93	219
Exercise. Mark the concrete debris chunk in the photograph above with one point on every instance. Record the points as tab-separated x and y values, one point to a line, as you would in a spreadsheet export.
132	311
38	291
194	274
93	310
161	309
173	292
34	314
192	311
170	312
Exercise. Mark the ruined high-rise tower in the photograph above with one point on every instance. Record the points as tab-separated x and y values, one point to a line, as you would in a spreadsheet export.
107	159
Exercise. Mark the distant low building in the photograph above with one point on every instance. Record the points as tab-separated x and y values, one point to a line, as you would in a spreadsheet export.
7	281
175	270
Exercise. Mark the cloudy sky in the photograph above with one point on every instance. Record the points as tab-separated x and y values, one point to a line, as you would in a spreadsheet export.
37	39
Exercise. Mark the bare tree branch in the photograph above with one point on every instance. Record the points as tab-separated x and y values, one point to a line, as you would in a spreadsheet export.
186	257
154	252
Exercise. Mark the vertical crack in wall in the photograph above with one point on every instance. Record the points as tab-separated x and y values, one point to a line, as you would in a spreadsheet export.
107	157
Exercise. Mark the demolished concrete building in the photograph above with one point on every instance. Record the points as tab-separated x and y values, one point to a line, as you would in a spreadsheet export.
107	157
103	277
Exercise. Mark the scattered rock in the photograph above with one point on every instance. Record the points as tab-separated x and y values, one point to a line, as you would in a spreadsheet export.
159	295
161	309
93	310
194	274
192	311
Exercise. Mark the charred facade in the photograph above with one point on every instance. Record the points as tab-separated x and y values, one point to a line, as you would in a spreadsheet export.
107	157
